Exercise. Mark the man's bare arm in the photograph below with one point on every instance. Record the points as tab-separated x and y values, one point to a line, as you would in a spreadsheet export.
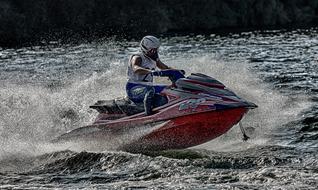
161	65
136	66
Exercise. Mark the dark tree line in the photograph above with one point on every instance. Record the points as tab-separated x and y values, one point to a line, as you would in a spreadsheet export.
31	21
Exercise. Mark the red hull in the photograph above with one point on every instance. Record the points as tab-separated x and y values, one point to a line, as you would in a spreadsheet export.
188	131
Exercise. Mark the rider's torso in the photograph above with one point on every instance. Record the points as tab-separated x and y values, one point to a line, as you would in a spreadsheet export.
145	63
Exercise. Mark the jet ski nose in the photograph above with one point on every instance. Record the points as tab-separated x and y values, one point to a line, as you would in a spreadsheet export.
250	105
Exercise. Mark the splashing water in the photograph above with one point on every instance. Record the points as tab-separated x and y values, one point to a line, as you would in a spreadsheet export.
46	91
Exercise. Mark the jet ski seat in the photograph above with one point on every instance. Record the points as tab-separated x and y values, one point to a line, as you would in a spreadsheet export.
117	106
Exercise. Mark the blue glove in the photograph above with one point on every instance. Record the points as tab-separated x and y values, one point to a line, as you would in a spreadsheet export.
156	73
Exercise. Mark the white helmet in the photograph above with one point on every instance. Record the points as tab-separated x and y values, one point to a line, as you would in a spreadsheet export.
149	42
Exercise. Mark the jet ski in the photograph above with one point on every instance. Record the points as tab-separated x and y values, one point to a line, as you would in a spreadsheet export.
199	108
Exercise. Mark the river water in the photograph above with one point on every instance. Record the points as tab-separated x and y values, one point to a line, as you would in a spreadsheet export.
46	91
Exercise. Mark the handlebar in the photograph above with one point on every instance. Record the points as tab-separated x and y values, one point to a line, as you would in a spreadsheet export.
172	74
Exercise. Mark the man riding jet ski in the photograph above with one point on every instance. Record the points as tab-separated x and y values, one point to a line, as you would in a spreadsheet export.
193	110
141	69
199	108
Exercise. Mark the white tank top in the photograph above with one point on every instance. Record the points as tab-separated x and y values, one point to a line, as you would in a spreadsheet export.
147	63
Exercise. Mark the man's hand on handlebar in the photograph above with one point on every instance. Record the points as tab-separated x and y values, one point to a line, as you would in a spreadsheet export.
156	73
162	72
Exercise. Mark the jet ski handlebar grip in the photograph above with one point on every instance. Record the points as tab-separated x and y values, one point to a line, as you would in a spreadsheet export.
156	73
173	75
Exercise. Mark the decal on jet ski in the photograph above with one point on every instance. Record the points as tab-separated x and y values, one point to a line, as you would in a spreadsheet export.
191	104
212	96
138	90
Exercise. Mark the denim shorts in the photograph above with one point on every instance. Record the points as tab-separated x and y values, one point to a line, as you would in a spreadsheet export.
136	91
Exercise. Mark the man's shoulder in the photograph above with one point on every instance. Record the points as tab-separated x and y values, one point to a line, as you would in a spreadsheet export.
136	57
